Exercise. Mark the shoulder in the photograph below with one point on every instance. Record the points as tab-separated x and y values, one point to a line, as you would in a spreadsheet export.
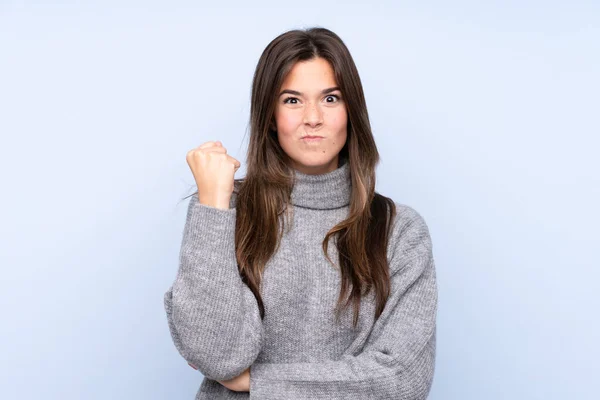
407	217
410	237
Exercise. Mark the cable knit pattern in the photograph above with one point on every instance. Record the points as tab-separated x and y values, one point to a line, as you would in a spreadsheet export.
299	351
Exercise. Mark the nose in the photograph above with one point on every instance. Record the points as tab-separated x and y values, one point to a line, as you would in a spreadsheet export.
313	115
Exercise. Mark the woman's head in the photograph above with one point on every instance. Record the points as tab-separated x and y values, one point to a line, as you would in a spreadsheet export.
289	102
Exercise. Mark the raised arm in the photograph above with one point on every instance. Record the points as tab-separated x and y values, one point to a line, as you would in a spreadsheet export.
213	316
397	362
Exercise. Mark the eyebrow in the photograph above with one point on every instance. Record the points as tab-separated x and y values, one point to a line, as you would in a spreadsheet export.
295	92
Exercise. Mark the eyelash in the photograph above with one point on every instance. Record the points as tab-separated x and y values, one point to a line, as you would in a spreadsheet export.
329	95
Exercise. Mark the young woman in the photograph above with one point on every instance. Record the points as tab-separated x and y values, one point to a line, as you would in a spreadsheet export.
299	281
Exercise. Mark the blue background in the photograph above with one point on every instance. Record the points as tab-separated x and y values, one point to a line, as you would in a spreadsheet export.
486	115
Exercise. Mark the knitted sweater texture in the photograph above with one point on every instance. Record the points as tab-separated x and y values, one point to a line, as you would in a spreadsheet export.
299	351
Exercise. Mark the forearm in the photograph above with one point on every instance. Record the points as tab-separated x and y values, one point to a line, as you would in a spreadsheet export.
333	381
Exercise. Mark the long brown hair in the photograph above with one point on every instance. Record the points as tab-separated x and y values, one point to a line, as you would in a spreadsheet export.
263	195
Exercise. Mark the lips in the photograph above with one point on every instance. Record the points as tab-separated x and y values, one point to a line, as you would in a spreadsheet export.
312	137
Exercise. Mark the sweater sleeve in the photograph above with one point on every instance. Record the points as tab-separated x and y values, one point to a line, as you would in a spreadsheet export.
213	316
397	360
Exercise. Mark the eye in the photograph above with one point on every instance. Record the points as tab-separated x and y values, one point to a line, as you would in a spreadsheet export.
333	95
289	98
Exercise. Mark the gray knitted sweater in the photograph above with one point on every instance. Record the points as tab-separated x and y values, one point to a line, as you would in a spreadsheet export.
298	351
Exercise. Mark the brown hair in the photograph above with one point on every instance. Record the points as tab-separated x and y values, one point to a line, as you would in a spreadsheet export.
263	195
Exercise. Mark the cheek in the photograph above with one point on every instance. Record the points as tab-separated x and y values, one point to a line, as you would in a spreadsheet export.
337	116
288	121
287	128
338	121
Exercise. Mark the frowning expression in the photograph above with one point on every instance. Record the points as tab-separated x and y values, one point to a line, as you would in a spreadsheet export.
311	117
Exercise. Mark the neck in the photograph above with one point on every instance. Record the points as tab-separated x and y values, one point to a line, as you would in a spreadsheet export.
323	191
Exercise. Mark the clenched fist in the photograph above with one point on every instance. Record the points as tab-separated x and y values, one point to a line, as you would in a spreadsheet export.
214	172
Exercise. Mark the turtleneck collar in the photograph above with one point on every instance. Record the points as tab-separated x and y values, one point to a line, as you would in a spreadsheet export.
323	191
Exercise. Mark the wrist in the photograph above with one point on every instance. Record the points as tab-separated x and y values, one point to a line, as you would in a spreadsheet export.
219	201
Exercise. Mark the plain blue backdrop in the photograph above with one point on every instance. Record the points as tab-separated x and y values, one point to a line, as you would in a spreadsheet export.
486	115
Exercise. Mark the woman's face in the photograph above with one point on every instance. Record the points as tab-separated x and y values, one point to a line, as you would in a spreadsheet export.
310	105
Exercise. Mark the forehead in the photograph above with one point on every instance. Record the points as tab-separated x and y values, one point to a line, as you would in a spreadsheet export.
316	73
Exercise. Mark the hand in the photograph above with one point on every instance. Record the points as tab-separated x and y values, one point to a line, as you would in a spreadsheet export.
240	383
214	172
